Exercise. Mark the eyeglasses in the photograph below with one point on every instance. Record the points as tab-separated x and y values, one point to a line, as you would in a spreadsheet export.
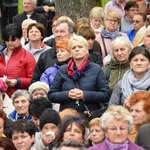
112	21
115	129
136	21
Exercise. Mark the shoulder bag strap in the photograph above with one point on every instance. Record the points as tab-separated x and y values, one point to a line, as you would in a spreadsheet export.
104	46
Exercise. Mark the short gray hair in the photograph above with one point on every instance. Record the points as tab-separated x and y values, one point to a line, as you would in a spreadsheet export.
116	113
65	19
19	93
96	12
79	39
73	144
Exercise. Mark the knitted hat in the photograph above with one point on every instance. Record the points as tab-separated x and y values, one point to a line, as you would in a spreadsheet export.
3	86
38	85
49	116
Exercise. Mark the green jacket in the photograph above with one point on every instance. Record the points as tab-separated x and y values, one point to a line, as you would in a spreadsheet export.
114	72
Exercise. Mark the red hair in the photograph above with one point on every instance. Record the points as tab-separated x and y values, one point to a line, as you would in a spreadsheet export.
141	96
63	44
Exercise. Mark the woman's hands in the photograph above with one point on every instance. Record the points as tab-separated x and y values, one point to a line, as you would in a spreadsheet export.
47	139
11	82
126	103
76	94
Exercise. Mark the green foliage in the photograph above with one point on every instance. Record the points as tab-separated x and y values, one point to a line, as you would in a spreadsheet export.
104	2
20	6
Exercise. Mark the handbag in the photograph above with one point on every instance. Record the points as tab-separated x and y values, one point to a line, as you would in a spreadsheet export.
95	113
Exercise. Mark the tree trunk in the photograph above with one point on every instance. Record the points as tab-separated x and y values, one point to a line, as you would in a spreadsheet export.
75	9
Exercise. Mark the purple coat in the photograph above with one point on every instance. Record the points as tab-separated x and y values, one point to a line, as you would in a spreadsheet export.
103	146
49	74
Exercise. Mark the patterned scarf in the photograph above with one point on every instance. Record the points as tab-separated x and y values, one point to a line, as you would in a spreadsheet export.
74	71
110	35
113	146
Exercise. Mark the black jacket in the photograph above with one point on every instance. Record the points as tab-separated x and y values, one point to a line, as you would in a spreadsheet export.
35	16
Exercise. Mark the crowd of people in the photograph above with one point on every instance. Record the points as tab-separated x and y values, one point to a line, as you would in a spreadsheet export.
55	72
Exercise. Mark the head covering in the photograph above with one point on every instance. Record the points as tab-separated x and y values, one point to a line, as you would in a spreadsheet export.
49	116
3	86
38	85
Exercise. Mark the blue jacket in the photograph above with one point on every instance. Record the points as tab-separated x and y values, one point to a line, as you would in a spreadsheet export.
49	74
92	83
131	34
14	116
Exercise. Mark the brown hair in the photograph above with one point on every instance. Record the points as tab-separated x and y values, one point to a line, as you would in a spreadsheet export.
95	121
39	26
4	117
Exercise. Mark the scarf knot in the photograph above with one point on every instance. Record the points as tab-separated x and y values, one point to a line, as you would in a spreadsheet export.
110	35
76	72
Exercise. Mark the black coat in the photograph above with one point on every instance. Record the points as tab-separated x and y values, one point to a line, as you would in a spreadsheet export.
92	83
35	16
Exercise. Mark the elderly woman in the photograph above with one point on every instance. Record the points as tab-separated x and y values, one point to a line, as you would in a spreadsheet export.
110	32
139	106
119	64
117	123
38	89
21	100
75	85
97	135
71	129
96	17
22	133
16	63
63	56
36	34
25	24
135	79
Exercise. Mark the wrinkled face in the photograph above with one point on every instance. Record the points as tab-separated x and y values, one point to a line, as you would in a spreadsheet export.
117	131
22	141
138	22
139	115
111	24
96	22
147	40
29	6
131	12
11	45
63	55
78	50
62	31
49	127
34	34
68	148
39	93
1	126
21	105
36	122
139	64
90	43
121	53
97	135
73	133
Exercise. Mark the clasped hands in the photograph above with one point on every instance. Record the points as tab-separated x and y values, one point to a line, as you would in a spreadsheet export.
75	94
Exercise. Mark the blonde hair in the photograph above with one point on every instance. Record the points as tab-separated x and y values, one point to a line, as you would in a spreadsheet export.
113	14
28	22
116	113
96	12
95	121
139	36
67	112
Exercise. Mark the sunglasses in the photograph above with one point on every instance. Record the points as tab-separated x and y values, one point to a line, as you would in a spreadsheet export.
136	21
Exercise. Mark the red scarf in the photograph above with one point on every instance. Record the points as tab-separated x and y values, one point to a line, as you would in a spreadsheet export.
73	71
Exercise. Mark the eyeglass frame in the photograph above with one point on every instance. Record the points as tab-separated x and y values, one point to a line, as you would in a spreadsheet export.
114	21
